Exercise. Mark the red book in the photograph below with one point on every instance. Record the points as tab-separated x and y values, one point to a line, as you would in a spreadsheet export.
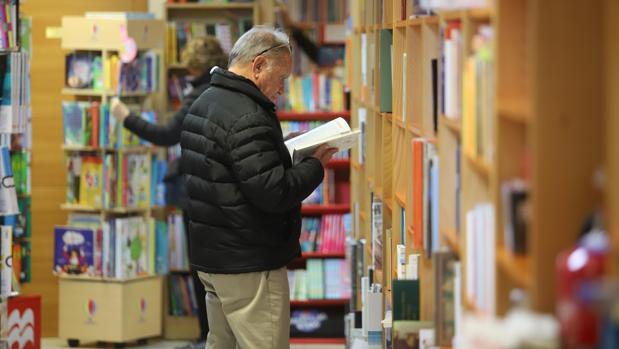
342	194
316	91
418	150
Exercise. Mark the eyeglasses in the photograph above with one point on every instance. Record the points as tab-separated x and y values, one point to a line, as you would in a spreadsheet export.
275	47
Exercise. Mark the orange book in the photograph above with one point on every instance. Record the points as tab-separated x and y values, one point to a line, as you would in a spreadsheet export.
94	114
418	151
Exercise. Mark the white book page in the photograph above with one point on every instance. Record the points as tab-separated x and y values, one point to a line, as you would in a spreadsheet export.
318	135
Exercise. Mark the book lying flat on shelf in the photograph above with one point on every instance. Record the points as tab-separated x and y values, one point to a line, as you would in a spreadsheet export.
335	133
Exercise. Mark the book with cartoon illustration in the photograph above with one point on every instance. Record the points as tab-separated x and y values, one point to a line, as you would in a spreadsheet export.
74	251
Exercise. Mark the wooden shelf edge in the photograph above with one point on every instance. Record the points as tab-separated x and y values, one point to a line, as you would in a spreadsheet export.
400	198
451	238
389	204
515	112
453	124
516	267
363	216
479	165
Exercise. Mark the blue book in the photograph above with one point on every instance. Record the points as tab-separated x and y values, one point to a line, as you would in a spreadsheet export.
161	247
74	250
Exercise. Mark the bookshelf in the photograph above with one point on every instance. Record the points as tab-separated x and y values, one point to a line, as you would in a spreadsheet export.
328	249
101	154
15	155
517	137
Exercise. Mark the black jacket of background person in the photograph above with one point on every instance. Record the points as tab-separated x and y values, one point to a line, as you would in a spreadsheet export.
245	194
170	133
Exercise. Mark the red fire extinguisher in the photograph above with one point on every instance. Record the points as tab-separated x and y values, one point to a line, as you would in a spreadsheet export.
583	264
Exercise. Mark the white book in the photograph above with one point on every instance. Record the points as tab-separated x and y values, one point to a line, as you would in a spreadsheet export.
362	115
470	255
6	264
335	133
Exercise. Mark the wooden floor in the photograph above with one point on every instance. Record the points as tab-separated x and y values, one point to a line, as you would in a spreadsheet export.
56	343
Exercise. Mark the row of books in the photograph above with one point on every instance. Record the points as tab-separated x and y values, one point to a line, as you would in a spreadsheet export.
181	296
330	191
91	70
91	124
115	180
323	279
322	11
180	33
9	24
326	234
311	93
478	91
16	98
116	248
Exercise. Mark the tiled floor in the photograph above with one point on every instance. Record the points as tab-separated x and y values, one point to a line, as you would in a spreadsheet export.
55	343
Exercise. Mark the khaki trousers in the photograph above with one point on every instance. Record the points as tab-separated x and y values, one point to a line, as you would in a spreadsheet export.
247	311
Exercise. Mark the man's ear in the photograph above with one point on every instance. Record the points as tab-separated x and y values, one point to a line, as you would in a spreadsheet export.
259	64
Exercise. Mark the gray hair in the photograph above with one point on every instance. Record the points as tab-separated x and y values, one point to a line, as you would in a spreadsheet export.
256	41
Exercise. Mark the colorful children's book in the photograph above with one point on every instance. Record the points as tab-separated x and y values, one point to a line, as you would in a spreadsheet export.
91	182
74	250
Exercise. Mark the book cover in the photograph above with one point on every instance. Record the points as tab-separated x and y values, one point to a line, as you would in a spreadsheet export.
138	180
6	270
74	124
406	334
386	40
418	198
406	299
444	301
91	182
74	251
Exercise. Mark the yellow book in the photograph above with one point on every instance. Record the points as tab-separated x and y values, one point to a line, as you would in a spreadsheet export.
107	79
91	185
11	25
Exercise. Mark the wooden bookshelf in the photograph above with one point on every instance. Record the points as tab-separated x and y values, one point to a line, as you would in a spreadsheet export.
528	124
312	116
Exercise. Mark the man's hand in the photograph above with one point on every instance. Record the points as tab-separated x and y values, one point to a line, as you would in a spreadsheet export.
119	110
324	154
292	135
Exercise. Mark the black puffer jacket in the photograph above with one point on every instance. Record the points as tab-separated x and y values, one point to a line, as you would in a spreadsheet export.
245	194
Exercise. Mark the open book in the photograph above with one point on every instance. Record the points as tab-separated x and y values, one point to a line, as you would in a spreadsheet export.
335	133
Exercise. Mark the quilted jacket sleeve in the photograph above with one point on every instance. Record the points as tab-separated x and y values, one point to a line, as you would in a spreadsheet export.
253	147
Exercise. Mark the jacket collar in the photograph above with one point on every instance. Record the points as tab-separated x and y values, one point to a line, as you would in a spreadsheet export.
228	80
203	79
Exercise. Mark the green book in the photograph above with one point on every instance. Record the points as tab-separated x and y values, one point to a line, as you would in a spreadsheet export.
386	42
405	300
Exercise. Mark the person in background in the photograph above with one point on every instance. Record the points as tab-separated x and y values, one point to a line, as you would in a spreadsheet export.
200	55
245	194
319	57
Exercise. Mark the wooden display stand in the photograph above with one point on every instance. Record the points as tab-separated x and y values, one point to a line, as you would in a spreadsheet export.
110	310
